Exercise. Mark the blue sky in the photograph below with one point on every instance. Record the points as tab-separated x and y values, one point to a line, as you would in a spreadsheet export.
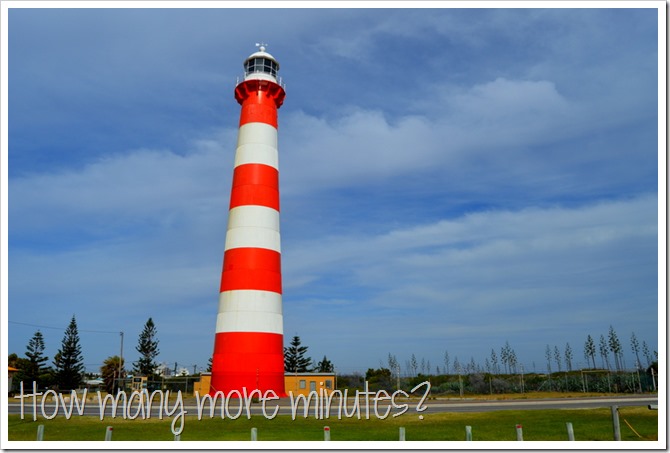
451	179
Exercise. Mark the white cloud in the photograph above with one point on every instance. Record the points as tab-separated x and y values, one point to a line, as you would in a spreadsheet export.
487	258
134	189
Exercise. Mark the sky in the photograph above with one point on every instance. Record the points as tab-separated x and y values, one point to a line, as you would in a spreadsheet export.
452	179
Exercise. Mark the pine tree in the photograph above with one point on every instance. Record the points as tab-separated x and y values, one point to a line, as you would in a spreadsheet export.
68	361
147	346
36	361
295	360
325	366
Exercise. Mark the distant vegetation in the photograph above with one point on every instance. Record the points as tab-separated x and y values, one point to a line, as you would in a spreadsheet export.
501	372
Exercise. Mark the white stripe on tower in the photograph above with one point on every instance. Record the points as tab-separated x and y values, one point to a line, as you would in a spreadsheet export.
253	226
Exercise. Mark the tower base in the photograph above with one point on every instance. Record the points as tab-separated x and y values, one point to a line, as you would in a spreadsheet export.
248	361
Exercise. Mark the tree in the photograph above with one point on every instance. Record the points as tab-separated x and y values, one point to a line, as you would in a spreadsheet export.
446	361
209	365
35	367
494	362
547	354
110	372
568	357
646	353
20	363
504	357
295	360
604	352
379	379
590	350
615	346
68	361
147	346
457	365
472	366
635	346
394	366
512	360
557	358
325	366
414	364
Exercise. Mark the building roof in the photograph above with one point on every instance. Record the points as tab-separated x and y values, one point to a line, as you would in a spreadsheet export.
307	373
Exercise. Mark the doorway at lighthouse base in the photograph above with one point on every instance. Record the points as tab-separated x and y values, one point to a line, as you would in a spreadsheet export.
296	383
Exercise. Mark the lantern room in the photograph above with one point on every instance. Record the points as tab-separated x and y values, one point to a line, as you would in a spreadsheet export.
261	65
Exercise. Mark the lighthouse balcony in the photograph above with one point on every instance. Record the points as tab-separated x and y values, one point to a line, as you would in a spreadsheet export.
261	76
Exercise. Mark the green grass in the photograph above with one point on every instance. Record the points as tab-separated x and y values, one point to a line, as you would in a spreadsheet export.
538	425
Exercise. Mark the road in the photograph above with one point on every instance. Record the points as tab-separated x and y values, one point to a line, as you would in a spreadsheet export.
557	403
236	406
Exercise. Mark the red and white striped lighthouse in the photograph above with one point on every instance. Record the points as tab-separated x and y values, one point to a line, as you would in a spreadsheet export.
249	346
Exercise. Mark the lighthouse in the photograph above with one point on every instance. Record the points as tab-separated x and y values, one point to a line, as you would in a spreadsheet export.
249	341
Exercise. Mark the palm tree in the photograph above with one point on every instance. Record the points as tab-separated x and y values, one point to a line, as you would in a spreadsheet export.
110	372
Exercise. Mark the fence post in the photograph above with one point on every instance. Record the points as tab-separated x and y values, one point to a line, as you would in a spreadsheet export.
571	432
108	433
615	422
468	433
254	434
326	433
519	432
402	433
40	432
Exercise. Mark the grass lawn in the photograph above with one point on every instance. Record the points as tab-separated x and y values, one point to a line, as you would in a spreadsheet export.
538	425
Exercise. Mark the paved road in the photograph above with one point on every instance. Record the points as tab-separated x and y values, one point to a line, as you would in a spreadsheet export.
432	406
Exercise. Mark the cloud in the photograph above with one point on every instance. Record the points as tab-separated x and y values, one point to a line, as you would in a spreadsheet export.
118	192
510	135
483	248
448	285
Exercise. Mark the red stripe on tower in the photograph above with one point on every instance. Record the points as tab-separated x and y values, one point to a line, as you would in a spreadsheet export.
249	342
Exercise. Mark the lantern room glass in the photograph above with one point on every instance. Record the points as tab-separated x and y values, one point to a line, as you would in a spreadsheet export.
264	65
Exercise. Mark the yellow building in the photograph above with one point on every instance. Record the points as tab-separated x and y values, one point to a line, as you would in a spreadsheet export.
297	383
303	383
11	372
